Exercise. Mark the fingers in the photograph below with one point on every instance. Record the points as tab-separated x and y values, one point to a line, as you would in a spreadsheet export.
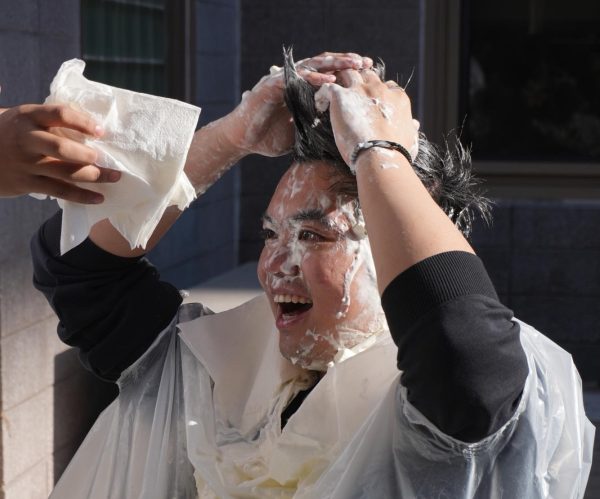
63	190
61	148
316	79
318	70
69	172
334	61
49	115
349	78
370	77
323	97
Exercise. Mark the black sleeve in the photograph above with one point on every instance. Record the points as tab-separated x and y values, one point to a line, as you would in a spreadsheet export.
462	361
111	308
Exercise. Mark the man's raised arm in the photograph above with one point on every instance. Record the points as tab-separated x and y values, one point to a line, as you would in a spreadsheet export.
260	124
110	301
460	353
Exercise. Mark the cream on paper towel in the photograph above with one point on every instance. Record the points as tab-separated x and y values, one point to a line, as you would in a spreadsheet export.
146	138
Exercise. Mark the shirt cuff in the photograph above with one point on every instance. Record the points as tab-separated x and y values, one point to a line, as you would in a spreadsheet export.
434	281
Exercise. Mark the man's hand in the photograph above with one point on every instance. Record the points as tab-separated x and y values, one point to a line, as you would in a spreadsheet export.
363	108
35	160
261	123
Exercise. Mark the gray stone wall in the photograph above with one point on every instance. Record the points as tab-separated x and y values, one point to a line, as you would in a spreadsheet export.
47	401
544	259
203	243
381	28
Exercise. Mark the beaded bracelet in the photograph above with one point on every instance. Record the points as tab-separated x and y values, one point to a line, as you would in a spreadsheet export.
386	144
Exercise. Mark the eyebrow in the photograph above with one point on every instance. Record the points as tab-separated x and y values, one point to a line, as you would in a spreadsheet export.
315	215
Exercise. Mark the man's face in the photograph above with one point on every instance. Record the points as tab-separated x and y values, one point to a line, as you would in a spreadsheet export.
316	268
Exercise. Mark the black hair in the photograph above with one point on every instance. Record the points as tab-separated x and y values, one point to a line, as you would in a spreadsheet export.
445	171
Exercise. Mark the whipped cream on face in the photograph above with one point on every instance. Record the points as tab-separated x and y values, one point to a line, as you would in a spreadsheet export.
287	284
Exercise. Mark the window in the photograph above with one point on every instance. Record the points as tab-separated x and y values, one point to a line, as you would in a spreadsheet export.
137	44
521	78
530	79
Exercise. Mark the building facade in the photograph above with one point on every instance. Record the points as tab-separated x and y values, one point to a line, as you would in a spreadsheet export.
542	251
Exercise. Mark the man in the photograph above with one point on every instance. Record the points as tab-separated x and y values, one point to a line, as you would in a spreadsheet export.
479	409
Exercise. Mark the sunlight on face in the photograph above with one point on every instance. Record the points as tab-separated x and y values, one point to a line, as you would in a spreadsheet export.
316	268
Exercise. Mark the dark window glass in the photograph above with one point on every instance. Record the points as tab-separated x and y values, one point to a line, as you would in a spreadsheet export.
124	43
530	85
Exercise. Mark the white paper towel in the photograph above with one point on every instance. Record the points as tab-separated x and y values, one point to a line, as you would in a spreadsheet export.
146	138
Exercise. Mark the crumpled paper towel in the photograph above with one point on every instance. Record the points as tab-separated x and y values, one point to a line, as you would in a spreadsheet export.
146	138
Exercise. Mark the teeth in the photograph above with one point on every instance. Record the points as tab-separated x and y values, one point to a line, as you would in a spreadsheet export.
291	299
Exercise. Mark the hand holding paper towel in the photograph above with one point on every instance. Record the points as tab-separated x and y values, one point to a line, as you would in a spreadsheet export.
146	138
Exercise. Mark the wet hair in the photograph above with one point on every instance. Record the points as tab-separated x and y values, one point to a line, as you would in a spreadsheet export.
445	171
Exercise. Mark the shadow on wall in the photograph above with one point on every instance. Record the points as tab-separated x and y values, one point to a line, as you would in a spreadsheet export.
79	398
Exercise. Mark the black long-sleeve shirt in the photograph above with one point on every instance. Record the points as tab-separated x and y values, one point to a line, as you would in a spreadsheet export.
460	353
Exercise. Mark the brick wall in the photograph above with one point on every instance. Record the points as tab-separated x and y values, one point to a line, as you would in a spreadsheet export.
385	29
47	401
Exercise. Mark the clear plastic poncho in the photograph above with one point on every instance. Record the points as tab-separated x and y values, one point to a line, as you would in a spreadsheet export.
199	416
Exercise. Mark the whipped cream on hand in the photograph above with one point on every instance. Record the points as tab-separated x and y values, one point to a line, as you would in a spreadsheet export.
364	108
261	124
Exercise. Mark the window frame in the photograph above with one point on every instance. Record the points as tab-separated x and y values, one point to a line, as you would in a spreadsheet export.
179	38
441	59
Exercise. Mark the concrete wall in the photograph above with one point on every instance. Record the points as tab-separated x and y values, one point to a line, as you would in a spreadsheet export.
203	243
47	401
544	259
385	29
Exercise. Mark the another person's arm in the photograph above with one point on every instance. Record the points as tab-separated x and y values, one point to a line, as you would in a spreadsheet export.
462	362
35	160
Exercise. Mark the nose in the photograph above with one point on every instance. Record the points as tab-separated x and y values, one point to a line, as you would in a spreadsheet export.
281	261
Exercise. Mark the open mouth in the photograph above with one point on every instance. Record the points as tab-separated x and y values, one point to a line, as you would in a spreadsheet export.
291	308
294	308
